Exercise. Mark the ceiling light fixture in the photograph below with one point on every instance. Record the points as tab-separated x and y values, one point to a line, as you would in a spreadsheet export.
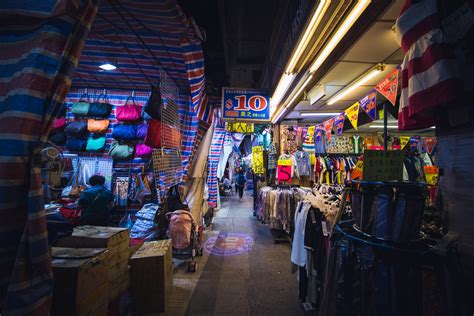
322	114
107	66
277	118
308	34
300	89
355	13
374	71
280	90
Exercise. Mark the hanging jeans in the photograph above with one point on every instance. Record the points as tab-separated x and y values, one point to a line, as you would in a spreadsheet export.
407	214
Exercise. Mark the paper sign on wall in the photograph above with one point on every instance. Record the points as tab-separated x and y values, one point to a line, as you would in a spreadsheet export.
239	127
383	165
257	160
353	114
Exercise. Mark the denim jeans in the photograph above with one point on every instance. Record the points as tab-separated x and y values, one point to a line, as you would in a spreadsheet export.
383	212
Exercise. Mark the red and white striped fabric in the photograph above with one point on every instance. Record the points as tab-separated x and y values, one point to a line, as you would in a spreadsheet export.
429	77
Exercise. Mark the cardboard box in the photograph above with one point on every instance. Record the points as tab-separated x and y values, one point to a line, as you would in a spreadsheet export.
81	281
119	285
151	276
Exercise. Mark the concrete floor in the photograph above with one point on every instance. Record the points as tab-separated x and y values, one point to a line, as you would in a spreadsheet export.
256	282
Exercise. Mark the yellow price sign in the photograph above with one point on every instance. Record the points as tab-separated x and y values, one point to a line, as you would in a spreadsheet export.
240	127
257	160
284	162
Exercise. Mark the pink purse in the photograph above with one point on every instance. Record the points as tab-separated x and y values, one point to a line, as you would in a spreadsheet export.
59	124
128	113
142	150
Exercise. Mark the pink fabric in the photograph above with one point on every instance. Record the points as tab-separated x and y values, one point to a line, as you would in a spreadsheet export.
128	113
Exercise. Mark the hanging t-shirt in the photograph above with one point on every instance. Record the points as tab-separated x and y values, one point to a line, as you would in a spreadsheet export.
356	143
272	157
303	163
286	168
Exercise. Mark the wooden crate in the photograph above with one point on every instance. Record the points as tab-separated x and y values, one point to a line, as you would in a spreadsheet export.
119	285
151	277
81	284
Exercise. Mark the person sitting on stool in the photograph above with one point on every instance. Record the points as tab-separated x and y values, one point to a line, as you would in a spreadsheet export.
96	203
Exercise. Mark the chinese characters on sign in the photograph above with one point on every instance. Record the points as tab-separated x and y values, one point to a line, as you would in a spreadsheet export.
383	165
239	127
245	104
257	160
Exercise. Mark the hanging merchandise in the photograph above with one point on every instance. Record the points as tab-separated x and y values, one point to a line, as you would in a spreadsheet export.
162	135
58	138
328	128
95	144
100	109
272	157
121	191
308	143
76	144
143	151
286	168
430	143
303	163
257	160
339	121
353	114
77	129
58	125
389	86
80	108
319	140
154	105
226	151
124	132
369	104
97	126
142	130
120	151
128	112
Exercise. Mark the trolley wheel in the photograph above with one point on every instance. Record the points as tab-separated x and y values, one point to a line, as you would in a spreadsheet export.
192	267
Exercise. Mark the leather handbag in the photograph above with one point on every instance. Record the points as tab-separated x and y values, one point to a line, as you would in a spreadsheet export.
100	109
76	144
59	138
76	128
58	124
162	135
128	112
124	132
81	107
143	151
142	130
97	126
120	151
154	105
95	144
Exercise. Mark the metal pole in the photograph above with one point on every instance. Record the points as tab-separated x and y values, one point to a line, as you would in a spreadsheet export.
385	129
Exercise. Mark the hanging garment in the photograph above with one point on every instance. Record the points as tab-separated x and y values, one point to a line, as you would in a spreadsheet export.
226	151
287	168
298	251
429	78
272	157
303	163
213	162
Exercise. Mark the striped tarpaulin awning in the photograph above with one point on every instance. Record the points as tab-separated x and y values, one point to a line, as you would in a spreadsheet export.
142	39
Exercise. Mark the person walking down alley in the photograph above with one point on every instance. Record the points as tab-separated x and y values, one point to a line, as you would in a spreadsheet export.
240	183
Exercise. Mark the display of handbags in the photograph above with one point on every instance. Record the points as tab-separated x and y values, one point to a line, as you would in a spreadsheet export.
97	126
58	125
128	112
143	151
162	135
76	144
76	128
95	144
80	108
154	105
59	138
124	132
142	129
120	151
100	109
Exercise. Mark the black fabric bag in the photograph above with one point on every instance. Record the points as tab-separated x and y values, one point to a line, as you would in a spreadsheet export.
100	109
59	138
154	105
174	201
76	144
77	129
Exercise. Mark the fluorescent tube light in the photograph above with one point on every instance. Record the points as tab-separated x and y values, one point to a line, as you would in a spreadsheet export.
356	83
308	34
381	126
280	90
300	89
346	25
275	120
322	114
107	66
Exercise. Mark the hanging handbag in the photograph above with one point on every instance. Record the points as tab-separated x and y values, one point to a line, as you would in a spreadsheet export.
95	144
142	130
120	151
162	135
154	105
76	144
128	113
124	132
76	128
81	108
58	125
100	109
59	138
97	126
143	151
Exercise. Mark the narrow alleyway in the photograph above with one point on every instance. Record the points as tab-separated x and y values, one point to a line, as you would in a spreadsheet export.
257	281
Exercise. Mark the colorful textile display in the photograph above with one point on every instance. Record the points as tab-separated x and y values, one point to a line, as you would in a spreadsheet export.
213	162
